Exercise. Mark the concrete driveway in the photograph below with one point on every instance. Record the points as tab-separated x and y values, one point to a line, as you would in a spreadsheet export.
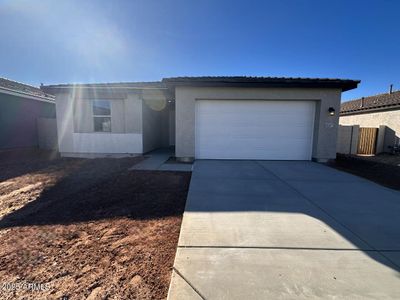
286	230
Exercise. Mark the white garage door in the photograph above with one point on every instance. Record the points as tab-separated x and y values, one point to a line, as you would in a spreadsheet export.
252	129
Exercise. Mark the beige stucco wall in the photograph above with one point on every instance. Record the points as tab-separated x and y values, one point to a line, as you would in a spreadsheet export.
390	119
325	126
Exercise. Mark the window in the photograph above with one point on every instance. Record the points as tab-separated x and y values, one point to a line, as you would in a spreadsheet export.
102	115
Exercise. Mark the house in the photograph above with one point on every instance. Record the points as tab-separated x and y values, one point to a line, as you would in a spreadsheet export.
379	111
117	118
24	111
203	117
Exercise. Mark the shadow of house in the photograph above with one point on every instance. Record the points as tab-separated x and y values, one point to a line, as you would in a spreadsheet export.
112	192
383	173
19	162
391	139
108	192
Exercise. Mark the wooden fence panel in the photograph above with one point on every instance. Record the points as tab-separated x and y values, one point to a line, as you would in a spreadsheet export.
367	141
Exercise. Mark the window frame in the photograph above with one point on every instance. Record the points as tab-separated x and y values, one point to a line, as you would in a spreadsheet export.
97	116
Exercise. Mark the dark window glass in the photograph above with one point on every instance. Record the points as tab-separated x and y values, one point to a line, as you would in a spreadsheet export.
101	108
102	124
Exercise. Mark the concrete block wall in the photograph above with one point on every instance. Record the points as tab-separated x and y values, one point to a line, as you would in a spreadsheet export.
347	142
390	119
348	137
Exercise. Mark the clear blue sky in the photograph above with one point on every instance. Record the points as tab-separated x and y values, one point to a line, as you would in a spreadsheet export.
107	41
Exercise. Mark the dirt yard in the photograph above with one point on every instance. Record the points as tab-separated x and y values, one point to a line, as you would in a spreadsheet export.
86	229
382	169
383	158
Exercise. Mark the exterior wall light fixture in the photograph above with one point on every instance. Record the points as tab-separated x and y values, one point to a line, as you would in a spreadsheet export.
331	111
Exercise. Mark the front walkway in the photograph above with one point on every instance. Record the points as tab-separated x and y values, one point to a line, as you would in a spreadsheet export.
158	160
284	230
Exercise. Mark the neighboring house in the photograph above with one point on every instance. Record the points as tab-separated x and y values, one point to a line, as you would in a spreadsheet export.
375	111
22	110
204	117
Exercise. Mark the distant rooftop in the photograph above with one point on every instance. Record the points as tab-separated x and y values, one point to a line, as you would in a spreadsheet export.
371	103
23	89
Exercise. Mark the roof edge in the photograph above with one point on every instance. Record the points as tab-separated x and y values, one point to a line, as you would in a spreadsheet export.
27	95
238	81
216	81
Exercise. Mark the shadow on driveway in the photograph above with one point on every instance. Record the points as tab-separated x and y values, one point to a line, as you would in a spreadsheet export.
290	205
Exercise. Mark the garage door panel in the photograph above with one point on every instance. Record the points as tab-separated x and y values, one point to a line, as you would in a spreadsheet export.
263	124
282	145
258	154
252	129
260	113
243	105
295	131
254	140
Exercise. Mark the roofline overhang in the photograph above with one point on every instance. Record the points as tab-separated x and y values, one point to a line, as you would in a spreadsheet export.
103	87
172	82
62	89
344	85
7	91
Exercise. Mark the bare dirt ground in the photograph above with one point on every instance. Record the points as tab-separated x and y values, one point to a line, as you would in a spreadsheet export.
86	229
384	158
382	169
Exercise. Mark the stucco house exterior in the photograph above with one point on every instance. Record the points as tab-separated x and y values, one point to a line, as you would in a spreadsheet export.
203	117
23	108
379	111
118	118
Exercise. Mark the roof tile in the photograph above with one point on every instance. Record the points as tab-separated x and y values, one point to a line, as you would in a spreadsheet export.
376	102
23	88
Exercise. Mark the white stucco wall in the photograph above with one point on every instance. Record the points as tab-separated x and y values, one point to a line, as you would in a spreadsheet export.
100	142
127	127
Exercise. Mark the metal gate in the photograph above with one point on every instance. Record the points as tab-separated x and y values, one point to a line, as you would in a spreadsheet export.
367	141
